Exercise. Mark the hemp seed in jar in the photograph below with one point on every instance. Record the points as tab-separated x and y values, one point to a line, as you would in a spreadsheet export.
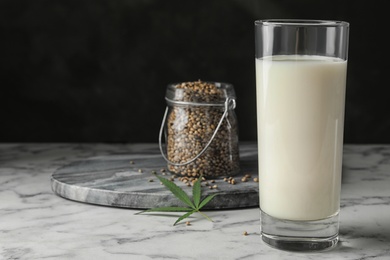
201	129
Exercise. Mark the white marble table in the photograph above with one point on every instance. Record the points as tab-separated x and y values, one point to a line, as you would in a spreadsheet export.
37	224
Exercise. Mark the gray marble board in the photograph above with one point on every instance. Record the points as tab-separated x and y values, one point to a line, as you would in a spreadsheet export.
116	181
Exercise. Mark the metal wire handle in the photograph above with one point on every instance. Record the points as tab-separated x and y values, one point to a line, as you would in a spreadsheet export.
228	103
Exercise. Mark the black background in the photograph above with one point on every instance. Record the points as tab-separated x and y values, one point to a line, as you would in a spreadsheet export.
97	70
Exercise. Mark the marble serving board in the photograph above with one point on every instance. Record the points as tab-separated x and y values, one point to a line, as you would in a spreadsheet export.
127	180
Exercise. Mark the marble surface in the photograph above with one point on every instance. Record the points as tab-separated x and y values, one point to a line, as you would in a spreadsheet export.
37	224
127	181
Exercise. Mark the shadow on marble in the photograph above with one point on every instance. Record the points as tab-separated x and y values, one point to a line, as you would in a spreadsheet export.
364	238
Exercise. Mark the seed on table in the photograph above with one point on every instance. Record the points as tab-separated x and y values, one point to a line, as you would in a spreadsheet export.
244	179
151	180
255	179
139	170
215	187
188	223
245	233
131	162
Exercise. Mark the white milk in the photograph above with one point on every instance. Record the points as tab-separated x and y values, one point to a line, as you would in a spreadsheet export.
300	111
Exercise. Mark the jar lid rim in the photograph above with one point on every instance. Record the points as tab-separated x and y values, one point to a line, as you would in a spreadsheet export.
190	103
196	95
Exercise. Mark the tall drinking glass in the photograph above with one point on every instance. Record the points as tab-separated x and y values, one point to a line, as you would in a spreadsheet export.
301	68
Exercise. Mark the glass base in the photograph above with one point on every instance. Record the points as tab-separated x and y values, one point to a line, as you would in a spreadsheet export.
300	236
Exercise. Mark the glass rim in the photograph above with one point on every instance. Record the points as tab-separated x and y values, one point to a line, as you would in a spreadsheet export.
301	22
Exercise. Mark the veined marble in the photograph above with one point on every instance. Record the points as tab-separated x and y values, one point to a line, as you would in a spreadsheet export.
112	180
37	224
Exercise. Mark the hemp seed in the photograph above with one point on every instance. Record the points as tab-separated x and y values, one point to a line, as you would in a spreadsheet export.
189	129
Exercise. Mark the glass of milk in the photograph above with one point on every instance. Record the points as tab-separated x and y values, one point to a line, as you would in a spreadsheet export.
301	68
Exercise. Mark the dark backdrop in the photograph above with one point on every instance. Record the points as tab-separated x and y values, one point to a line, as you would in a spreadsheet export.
96	70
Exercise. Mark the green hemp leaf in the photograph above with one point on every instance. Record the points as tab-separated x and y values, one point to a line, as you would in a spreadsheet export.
194	205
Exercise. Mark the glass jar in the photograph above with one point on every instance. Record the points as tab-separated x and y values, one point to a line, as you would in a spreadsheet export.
201	129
